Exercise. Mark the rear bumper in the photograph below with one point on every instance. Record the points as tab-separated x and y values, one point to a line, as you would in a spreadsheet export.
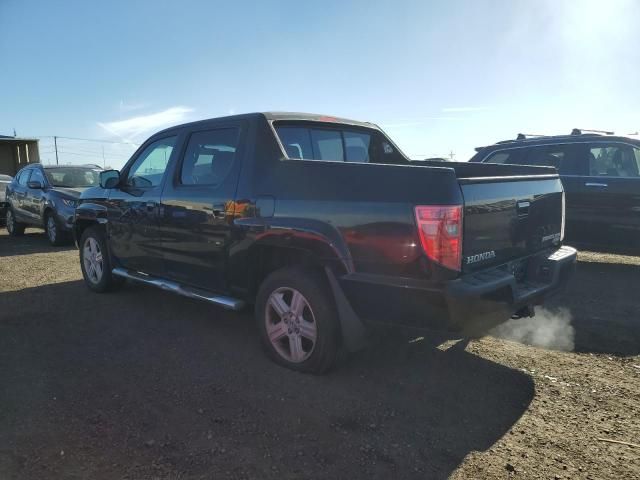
483	300
469	305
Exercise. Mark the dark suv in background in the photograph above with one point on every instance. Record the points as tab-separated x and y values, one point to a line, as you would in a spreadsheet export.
45	197
600	173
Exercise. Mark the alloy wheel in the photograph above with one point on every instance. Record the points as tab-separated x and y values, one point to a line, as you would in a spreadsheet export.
51	229
291	325
92	259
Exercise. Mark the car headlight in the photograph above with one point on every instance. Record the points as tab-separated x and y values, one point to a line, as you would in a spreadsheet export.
69	203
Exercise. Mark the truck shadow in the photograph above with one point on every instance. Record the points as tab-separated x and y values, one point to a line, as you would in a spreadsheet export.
143	380
604	306
631	248
623	242
33	241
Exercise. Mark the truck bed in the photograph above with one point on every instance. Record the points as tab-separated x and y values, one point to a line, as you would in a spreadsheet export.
466	171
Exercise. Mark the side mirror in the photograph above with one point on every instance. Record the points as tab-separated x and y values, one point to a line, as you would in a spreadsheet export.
109	178
35	185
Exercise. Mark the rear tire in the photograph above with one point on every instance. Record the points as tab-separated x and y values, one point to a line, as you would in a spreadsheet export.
95	262
297	320
14	228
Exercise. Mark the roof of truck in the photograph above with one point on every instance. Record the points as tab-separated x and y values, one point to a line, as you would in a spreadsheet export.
313	117
277	116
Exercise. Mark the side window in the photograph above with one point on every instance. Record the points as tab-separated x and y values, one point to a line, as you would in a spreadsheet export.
548	156
636	154
209	157
357	145
148	169
337	144
513	156
23	178
327	144
571	159
564	157
296	142
36	176
613	160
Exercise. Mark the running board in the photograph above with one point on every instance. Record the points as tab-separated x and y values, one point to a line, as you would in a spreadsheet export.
226	302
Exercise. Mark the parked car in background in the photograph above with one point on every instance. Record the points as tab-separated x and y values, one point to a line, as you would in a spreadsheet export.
328	228
45	197
600	173
4	181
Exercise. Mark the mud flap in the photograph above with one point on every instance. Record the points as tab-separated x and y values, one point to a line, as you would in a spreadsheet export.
354	333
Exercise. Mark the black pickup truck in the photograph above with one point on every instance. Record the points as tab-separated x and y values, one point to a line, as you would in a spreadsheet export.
327	229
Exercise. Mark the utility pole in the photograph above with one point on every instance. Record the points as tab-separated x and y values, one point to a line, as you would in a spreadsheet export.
55	144
104	163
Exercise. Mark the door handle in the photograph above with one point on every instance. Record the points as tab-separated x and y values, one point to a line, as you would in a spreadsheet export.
595	184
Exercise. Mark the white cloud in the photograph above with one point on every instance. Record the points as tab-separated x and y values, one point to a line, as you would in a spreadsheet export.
133	128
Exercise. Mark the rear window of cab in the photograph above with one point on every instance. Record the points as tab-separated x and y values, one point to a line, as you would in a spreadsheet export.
335	143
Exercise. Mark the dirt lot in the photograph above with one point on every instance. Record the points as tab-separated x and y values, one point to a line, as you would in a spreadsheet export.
144	384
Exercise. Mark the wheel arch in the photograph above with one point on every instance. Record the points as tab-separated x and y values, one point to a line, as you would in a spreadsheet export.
88	215
48	209
312	251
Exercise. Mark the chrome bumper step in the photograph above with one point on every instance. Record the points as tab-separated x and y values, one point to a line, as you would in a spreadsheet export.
226	302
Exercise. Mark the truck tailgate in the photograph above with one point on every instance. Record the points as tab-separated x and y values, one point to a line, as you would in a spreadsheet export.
509	218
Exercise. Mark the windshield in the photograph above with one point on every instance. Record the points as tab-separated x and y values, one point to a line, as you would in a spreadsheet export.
73	177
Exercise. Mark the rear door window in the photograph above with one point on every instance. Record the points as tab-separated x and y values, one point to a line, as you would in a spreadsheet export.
209	157
544	156
513	156
572	159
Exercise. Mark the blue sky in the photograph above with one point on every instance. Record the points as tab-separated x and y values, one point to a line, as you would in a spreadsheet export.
438	76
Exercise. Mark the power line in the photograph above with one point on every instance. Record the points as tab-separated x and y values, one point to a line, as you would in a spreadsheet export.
87	139
96	155
65	148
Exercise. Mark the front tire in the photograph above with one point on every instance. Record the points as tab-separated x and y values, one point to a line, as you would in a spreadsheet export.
95	262
297	320
14	228
54	233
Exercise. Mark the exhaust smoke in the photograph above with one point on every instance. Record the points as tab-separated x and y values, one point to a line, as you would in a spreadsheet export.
548	329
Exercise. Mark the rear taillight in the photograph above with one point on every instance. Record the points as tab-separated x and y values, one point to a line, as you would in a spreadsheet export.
440	230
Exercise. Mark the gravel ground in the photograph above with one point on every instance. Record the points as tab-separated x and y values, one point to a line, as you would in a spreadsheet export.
144	384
